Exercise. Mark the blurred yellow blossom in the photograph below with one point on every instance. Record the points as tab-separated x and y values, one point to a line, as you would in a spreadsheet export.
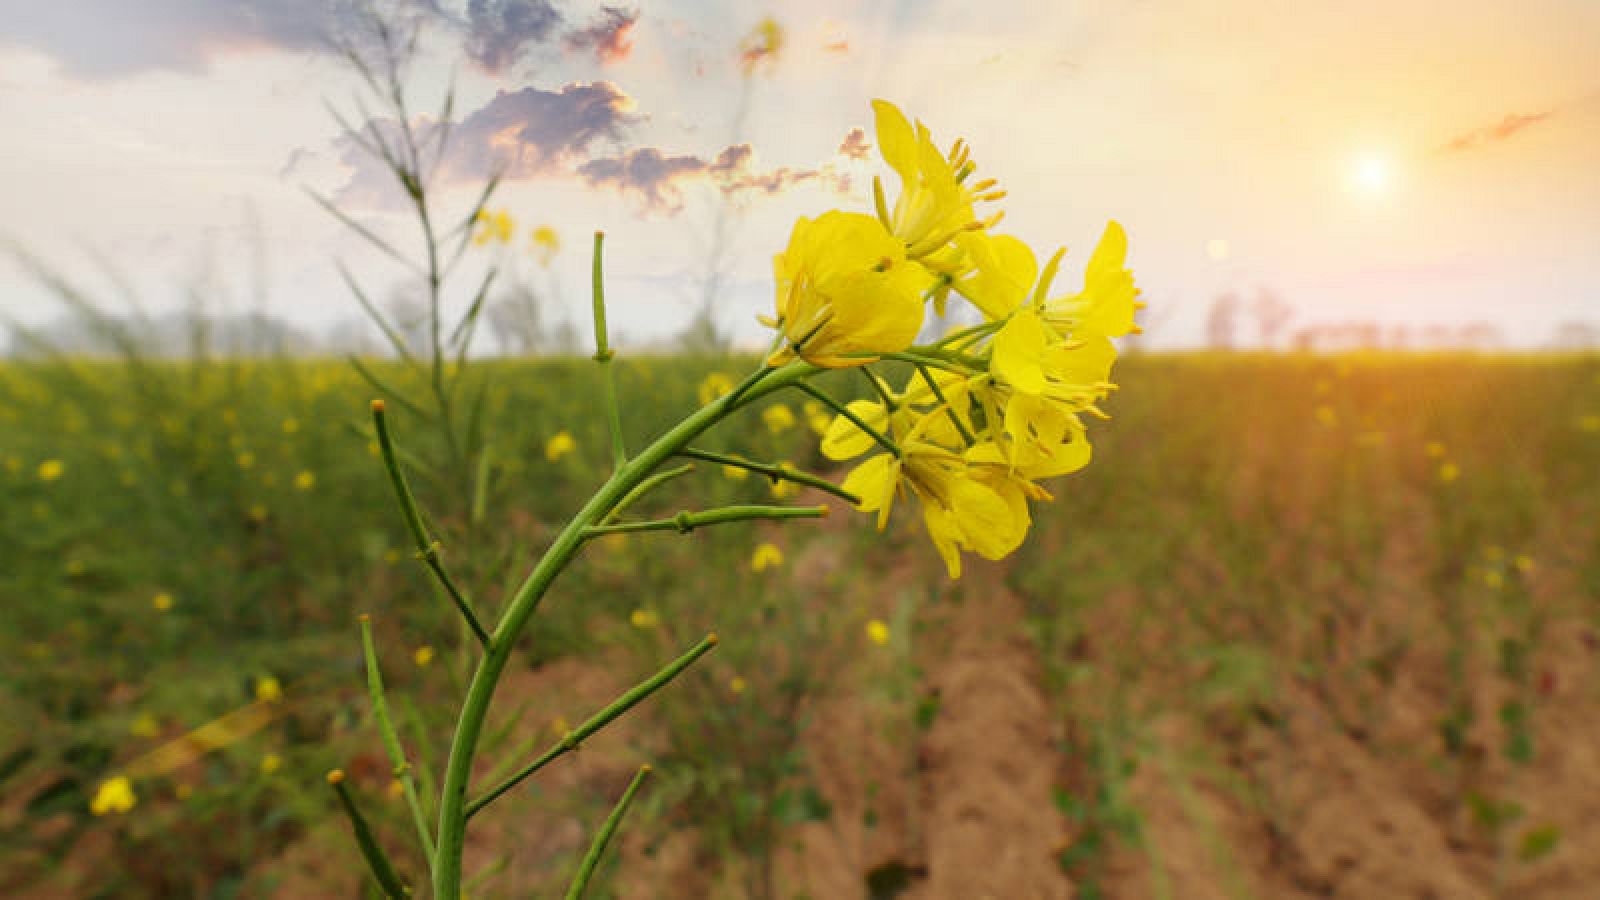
782	488
397	789
1433	449
1448	472
559	445
817	418
546	244
144	726
1494	579
162	601
1327	416
736	684
493	227
423	656
715	385
735	473
270	763
778	418
245	459
1524	563
305	480
51	469
560	726
877	632
291	425
115	795
268	690
1589	422
644	618
257	513
766	556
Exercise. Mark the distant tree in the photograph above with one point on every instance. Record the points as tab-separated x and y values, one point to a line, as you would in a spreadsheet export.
1220	321
1576	335
1272	316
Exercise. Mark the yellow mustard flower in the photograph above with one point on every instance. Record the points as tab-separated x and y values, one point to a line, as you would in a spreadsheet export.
245	459
715	385
115	795
270	763
1109	299
51	469
305	480
878	632
1449	472
546	244
1326	416
144	726
493	227
396	789
1589	422
766	556
737	684
735	473
1524	563
291	425
161	602
935	203
559	445
782	488
778	418
1434	450
268	690
817	418
845	292
644	618
257	513
1494	579
423	656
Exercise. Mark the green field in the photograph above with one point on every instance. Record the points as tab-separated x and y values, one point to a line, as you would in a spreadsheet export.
1306	626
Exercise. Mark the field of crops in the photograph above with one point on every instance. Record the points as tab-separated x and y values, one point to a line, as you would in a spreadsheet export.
1306	627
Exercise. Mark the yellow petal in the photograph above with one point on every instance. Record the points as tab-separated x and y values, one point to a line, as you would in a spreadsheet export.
896	140
1019	352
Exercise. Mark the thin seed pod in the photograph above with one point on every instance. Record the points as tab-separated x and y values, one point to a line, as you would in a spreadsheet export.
685	522
599	720
598	848
377	861
391	738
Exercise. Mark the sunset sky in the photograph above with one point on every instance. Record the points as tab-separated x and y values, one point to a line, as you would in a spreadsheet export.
1411	162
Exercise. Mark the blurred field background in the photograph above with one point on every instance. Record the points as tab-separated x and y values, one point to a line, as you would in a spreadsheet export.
1308	626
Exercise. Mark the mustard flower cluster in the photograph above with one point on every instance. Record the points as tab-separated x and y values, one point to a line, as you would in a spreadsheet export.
986	412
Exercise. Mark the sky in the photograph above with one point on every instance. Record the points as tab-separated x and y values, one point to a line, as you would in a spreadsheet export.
1415	164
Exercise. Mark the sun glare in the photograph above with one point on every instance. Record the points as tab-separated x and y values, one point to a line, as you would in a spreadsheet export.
1370	173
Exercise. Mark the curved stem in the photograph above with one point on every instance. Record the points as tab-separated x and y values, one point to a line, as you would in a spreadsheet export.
469	726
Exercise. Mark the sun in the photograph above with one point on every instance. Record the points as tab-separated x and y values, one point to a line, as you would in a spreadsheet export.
1371	173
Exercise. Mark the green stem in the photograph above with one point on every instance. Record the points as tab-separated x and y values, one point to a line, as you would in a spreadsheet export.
948	409
603	355
843	410
604	717
774	472
598	848
378	861
685	522
469	726
391	738
645	487
427	548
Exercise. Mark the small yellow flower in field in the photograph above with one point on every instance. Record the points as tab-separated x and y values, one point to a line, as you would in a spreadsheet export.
268	690
127	479
715	385
114	796
291	425
162	601
778	417
781	489
644	618
13	465
423	657
245	459
560	725
1589	423
735	473
270	763
736	684
819	420
766	556
546	244
1524	563
230	417
397	789
1327	416
51	469
493	227
878	632
75	567
391	556
1433	449
144	726
559	445
257	513
305	480
1494	579
1448	472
